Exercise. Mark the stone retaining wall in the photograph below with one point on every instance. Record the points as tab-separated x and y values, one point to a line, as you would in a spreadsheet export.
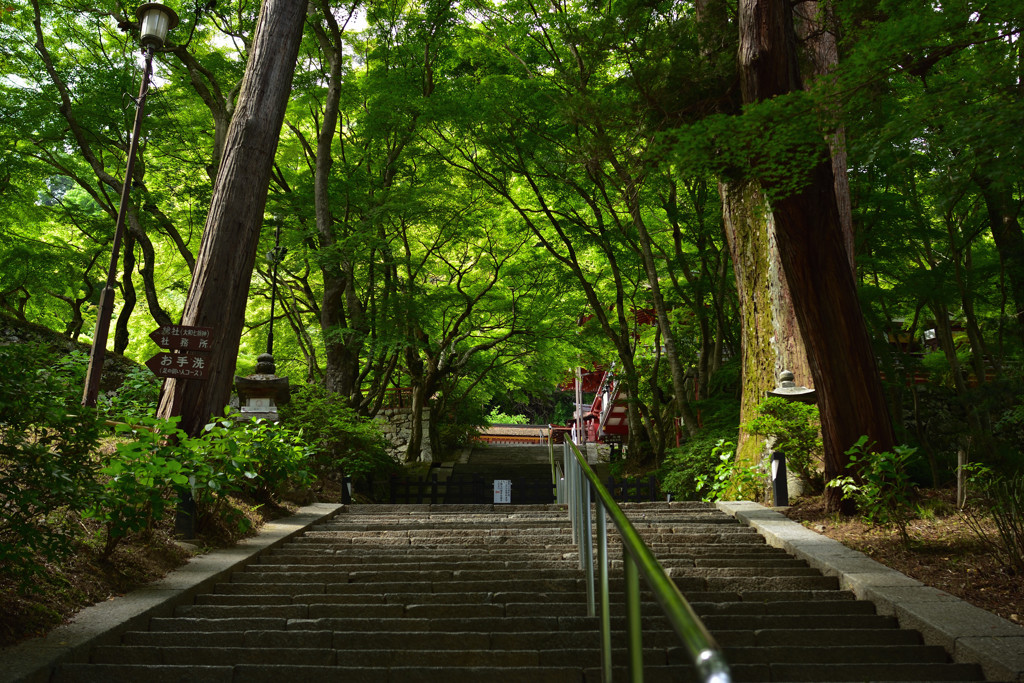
396	425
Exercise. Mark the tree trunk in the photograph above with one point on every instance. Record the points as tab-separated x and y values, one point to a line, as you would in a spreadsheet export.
770	340
815	26
128	296
815	260
220	287
341	350
1009	238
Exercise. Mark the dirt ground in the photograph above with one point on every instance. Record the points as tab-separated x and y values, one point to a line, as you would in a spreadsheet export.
944	552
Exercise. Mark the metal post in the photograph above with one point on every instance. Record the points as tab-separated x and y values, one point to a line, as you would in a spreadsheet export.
106	304
586	548
780	485
275	256
634	634
606	617
569	493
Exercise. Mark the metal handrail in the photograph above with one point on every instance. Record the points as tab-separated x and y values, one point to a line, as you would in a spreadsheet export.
638	560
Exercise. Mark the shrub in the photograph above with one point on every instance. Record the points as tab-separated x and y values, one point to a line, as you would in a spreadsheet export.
46	462
704	467
1002	502
692	461
160	462
882	489
730	480
259	458
496	417
454	436
141	478
136	397
794	428
344	443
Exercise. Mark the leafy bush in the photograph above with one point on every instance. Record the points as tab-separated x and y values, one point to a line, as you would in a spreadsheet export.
344	443
794	427
692	460
160	462
729	479
46	465
1002	502
883	493
704	467
141	477
259	458
136	397
496	417
456	435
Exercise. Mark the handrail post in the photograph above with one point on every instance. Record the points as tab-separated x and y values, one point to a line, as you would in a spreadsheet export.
638	560
606	614
586	547
634	633
570	490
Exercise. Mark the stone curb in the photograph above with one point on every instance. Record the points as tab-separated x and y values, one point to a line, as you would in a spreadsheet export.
102	624
969	634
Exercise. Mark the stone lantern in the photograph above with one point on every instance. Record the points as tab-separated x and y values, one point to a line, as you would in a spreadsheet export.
260	393
789	391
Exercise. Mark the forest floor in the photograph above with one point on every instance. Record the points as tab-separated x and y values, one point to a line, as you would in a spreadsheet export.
34	607
943	552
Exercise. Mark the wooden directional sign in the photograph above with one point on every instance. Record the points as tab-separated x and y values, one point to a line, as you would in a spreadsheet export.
182	337
180	365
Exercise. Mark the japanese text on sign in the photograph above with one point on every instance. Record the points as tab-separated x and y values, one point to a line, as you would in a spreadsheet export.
180	365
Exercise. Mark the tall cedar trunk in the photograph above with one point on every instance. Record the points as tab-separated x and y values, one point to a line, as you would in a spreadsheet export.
220	286
814	26
815	260
770	339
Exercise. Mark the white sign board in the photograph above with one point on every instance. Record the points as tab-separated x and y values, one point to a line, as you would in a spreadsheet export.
502	490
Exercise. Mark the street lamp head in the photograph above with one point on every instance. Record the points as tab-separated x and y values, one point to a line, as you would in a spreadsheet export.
155	20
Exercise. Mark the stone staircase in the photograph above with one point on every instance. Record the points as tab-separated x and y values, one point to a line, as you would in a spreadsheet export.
528	467
476	593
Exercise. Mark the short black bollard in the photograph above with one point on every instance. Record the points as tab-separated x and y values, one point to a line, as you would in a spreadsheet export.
780	487
346	490
185	515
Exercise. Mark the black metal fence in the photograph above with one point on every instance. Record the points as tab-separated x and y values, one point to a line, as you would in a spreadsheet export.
634	490
477	491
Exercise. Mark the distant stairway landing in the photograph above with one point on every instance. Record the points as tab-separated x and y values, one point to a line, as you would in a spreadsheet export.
527	467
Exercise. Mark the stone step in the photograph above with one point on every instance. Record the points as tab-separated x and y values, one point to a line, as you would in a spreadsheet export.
296	583
808	673
384	573
852	654
219	655
281	673
567	605
269	673
326	617
289	562
531	640
827	601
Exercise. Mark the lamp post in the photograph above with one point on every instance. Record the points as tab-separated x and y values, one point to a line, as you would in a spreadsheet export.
274	256
155	20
